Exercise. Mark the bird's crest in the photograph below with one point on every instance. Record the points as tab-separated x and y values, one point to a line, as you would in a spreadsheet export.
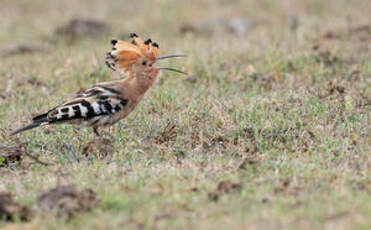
125	54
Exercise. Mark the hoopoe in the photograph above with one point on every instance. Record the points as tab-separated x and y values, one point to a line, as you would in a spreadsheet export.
106	103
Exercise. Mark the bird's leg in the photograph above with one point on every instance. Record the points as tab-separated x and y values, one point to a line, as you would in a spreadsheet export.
95	129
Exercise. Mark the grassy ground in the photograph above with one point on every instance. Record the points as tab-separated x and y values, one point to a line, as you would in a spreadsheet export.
270	131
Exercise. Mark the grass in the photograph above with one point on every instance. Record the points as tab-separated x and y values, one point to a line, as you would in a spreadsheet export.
283	113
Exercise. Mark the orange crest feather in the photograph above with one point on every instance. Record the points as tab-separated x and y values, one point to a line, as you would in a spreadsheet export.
125	54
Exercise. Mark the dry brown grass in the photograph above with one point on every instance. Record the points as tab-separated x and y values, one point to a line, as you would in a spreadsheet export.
271	130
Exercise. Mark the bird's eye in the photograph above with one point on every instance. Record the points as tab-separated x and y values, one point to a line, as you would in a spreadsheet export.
144	63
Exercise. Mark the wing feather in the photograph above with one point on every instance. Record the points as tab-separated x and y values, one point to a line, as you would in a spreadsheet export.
89	107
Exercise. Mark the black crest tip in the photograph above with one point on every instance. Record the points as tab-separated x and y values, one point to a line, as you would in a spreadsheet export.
155	45
113	42
148	41
133	35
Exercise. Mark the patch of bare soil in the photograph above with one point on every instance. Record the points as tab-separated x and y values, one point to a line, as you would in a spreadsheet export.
239	26
19	49
98	148
67	200
325	56
361	33
15	156
12	211
11	155
268	81
77	28
167	134
224	187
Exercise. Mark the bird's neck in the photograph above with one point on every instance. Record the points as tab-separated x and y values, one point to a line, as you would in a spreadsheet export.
140	82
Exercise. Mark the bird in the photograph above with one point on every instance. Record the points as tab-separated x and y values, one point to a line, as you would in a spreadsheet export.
106	103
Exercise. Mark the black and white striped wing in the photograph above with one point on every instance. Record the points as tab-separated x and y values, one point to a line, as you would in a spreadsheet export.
95	106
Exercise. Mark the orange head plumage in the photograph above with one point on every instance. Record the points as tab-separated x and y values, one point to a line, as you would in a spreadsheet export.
136	56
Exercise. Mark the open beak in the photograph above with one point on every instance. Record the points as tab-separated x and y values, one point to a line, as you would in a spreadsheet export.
171	56
172	69
168	68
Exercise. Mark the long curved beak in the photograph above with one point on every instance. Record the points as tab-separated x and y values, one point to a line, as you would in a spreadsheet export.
168	68
171	56
172	69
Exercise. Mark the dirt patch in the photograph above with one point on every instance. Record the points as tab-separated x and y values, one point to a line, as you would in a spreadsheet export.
78	28
266	81
67	200
11	155
224	187
333	90
15	156
167	134
360	33
335	87
12	211
20	49
204	27
98	148
239	26
220	142
325	56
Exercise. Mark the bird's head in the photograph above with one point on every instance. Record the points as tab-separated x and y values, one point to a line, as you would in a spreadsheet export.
138	57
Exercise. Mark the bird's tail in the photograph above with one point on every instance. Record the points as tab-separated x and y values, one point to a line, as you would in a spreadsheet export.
37	121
